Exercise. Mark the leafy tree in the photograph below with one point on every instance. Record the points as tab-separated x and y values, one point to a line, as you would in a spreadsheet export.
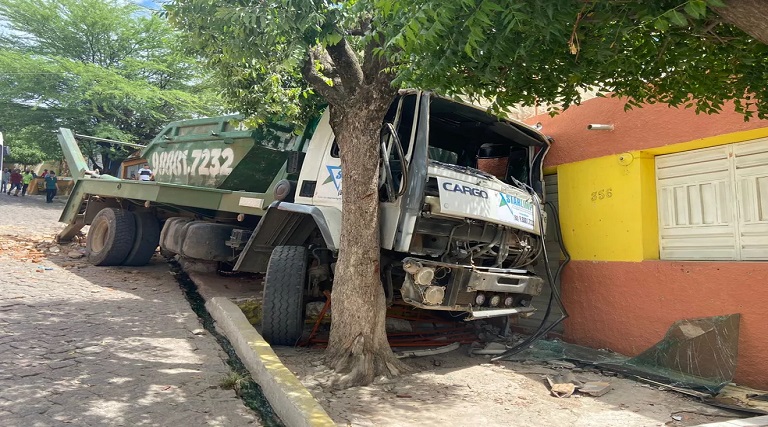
103	67
277	51
23	152
671	51
354	54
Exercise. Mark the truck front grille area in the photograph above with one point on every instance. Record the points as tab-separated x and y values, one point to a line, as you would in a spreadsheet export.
474	242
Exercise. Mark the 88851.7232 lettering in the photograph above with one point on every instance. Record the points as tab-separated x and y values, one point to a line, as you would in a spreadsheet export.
215	161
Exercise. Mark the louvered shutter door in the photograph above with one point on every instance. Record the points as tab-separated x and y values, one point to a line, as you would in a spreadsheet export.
697	219
751	175
553	252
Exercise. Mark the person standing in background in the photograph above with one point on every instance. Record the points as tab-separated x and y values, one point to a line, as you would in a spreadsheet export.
50	187
6	180
15	182
145	173
25	180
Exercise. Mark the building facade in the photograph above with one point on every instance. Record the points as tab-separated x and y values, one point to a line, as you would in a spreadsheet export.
665	218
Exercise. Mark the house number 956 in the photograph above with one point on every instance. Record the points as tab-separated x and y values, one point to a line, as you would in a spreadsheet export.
601	194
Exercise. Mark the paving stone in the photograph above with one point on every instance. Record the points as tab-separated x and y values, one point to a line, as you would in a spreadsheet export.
91	346
61	364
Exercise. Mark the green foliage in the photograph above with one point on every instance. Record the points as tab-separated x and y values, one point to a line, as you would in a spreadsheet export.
25	150
257	49
550	51
528	52
102	67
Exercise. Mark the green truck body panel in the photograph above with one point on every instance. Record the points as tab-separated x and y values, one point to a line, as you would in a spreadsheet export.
202	165
212	153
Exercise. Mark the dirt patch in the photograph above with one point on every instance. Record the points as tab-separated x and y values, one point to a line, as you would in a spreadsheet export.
456	389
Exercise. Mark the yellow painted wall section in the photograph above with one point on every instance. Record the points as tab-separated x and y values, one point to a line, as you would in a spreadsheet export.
648	204
607	208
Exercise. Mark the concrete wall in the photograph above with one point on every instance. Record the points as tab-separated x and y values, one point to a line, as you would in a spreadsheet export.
617	291
652	126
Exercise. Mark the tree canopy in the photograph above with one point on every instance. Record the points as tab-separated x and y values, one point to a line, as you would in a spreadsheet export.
106	68
680	52
677	52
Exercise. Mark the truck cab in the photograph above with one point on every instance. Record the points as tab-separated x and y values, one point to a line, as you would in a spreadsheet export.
460	192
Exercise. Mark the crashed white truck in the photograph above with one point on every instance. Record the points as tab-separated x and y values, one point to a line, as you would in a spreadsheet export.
460	197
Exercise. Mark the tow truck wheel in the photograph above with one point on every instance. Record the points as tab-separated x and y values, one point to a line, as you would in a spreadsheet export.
110	238
282	308
146	241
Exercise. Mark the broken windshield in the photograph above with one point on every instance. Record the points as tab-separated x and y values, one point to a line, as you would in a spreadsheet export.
465	136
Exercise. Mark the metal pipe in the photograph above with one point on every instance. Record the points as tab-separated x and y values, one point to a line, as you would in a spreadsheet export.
111	141
599	127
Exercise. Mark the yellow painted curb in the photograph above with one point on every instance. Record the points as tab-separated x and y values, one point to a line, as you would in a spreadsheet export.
290	400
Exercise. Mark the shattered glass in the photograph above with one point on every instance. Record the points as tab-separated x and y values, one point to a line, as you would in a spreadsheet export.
696	354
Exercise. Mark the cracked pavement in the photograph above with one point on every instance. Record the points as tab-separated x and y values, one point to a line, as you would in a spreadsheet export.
93	346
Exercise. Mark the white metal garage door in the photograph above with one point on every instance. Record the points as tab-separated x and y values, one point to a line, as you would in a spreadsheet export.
713	203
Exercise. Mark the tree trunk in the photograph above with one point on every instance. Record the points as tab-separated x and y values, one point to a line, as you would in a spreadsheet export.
750	16
358	349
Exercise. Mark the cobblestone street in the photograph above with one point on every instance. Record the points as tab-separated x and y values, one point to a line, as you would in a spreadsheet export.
93	346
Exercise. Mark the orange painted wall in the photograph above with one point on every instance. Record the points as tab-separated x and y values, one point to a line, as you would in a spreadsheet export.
641	128
628	306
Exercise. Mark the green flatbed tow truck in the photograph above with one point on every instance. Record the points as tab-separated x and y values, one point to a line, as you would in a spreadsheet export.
460	198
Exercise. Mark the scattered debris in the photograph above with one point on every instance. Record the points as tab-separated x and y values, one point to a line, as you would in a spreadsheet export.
595	388
696	356
740	398
565	384
560	364
560	389
76	254
428	352
492	348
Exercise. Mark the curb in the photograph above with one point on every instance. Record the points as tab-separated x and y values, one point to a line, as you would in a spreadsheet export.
290	400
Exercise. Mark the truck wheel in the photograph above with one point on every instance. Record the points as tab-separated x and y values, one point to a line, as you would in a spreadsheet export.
282	317
110	237
147	239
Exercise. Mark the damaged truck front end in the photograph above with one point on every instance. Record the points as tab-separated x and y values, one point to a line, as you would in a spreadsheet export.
478	228
460	192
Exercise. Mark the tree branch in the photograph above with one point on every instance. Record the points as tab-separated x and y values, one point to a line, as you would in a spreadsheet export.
365	26
332	94
328	69
749	16
347	65
374	65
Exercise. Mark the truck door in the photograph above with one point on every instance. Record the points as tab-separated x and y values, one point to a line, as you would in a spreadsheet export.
320	181
402	118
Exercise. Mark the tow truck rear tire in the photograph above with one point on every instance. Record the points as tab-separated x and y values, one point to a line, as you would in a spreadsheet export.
283	305
146	241
110	237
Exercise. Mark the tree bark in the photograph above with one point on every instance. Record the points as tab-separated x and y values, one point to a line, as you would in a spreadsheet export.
358	349
750	16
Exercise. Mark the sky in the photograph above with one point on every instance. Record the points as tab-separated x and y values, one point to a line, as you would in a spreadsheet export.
149	4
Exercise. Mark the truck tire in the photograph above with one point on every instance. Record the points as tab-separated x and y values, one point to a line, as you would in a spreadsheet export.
282	308
110	237
146	241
